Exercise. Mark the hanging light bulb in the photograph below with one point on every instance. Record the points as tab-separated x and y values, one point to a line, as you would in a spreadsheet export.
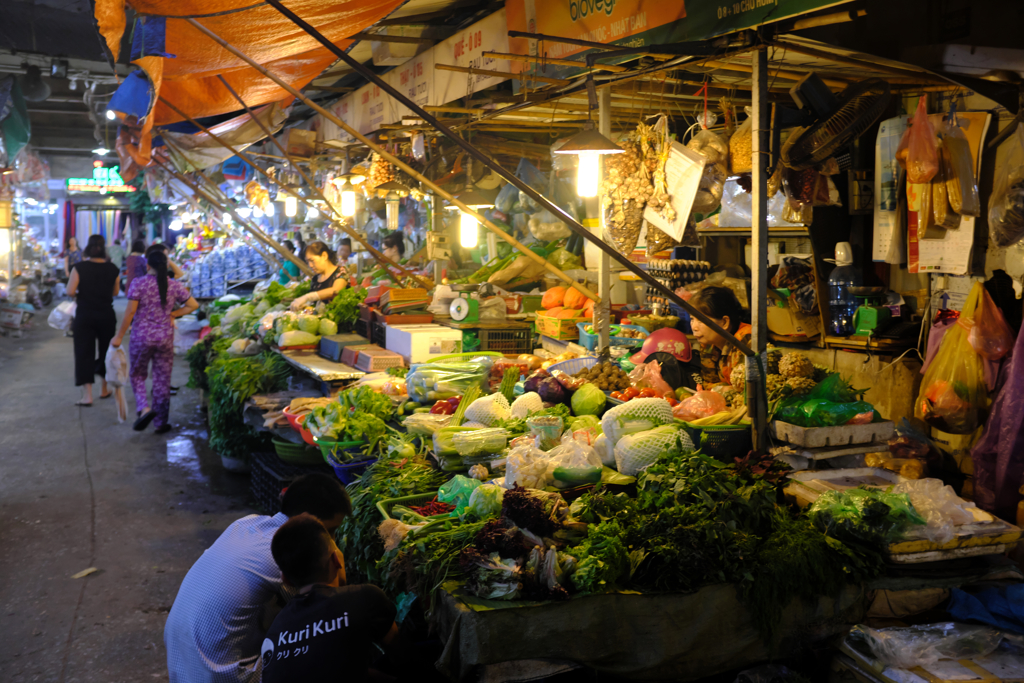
225	217
348	199
244	211
588	145
291	206
469	231
175	225
257	212
395	191
269	210
312	213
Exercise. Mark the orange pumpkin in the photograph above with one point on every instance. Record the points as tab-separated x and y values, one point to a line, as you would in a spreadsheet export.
574	298
566	313
553	298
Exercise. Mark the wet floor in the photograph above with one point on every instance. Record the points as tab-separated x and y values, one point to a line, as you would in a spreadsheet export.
79	491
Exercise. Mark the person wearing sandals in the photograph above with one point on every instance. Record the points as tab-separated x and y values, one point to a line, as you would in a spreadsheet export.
153	302
93	283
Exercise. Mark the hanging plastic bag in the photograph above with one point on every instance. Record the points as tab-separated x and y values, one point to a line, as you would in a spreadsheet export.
961	185
507	199
1006	203
649	375
547	228
990	336
942	211
62	316
716	171
922	161
117	377
658	240
702	404
953	394
741	146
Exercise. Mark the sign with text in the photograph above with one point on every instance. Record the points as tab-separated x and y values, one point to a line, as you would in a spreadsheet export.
104	179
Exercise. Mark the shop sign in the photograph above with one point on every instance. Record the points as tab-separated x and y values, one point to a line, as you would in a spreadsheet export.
635	23
104	179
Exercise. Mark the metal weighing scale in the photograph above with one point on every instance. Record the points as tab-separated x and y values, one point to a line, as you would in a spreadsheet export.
466	308
871	317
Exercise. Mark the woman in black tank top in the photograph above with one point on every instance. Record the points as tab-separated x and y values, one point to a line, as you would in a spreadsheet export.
330	277
94	283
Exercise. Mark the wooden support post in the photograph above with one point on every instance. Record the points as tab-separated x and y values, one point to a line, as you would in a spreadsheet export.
604	266
396	161
756	380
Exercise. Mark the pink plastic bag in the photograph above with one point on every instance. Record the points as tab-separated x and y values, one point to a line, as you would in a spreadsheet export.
649	375
989	336
701	404
922	158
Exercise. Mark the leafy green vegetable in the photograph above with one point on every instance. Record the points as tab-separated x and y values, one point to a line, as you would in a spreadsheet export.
603	559
343	309
232	382
588	400
560	410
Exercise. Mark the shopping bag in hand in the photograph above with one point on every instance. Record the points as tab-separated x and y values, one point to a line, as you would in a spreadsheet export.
62	316
953	395
117	378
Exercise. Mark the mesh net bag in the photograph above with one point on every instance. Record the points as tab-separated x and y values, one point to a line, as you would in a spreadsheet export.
636	451
489	409
638	415
530	402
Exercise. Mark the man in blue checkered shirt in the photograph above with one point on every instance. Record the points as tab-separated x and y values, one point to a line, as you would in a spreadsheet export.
216	626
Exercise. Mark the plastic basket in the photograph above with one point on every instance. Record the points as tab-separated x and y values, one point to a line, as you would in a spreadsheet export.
362	328
589	341
297	454
350	471
387	504
270	476
573	365
506	341
722	442
329	449
379	334
298	423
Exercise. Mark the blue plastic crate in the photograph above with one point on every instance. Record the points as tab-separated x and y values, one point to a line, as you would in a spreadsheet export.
589	341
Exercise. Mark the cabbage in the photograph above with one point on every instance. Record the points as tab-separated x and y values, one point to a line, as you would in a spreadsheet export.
297	338
485	501
589	422
327	327
286	323
309	323
534	380
236	313
550	390
588	400
261	308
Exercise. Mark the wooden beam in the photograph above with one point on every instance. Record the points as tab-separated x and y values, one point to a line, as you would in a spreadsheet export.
385	38
850	61
503	74
583	43
442	14
780	73
554	62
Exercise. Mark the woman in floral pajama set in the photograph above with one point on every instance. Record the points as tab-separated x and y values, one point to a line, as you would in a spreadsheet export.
152	300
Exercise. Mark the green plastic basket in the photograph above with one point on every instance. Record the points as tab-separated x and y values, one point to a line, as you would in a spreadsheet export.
329	450
722	442
386	505
462	356
296	454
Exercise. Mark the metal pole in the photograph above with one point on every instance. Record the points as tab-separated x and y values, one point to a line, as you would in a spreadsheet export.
510	177
604	266
387	156
759	248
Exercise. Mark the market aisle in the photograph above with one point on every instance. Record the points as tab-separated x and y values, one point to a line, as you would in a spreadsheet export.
79	490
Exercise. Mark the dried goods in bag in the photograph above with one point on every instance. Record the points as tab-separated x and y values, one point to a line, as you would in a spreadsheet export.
961	185
741	146
716	172
945	217
921	150
1006	204
627	187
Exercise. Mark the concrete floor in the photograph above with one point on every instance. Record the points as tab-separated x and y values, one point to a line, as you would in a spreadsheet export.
79	490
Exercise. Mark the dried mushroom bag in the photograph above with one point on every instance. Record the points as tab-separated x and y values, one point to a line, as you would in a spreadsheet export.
925	215
961	185
711	145
622	224
658	240
945	217
1006	203
741	146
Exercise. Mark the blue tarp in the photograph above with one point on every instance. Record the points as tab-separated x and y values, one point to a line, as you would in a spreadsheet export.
999	607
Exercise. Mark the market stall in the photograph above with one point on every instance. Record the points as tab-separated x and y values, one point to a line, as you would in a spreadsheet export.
564	414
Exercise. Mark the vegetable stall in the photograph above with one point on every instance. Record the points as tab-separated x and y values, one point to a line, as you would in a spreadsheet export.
625	378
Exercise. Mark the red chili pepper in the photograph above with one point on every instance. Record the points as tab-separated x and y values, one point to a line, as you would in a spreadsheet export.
443	408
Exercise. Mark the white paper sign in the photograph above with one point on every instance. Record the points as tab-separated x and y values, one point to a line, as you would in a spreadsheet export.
683	171
888	245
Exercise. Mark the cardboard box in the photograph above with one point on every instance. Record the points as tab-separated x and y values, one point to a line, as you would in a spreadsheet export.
788	321
422	343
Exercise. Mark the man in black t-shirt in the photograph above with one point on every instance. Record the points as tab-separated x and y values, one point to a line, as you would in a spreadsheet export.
327	630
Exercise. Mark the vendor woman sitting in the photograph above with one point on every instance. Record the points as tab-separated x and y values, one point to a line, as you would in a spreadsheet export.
329	278
717	356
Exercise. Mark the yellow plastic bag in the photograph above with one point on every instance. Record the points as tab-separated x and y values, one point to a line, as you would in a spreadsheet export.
953	395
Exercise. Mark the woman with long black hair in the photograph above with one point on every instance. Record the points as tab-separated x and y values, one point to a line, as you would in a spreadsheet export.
152	305
94	283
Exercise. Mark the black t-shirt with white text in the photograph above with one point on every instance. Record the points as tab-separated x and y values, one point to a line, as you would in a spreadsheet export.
325	635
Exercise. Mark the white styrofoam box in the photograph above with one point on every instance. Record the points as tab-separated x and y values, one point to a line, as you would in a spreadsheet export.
422	343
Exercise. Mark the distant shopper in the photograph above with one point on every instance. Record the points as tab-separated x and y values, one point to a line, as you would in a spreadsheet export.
136	266
344	249
73	256
216	624
93	283
327	623
172	268
153	303
289	271
394	246
115	252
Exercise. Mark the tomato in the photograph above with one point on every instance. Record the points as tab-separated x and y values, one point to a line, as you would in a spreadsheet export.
631	392
672	401
648	392
617	395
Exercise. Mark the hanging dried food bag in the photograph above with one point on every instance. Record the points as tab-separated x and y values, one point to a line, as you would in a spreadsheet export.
716	172
658	240
623	221
953	396
1006	204
546	228
961	185
741	146
922	152
925	215
945	217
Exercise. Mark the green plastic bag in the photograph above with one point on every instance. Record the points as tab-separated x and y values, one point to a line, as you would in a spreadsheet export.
458	491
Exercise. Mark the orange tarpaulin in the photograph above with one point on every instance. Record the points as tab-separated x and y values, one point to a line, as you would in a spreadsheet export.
260	31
